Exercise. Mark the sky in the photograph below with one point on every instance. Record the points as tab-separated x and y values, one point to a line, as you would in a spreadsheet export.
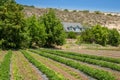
92	5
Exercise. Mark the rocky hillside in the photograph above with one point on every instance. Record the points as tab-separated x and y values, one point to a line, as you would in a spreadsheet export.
83	17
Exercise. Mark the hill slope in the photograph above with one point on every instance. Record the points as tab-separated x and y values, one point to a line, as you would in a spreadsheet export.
83	17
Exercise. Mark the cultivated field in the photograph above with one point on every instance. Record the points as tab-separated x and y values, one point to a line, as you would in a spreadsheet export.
47	64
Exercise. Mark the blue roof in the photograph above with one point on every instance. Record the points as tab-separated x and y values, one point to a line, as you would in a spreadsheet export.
75	27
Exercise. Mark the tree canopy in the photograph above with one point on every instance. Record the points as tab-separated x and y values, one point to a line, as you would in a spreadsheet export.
12	25
54	29
100	35
17	31
36	31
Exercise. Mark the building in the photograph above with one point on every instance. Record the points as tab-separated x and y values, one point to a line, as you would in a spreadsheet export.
74	27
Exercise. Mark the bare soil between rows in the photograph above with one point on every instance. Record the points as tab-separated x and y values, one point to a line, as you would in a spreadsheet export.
106	53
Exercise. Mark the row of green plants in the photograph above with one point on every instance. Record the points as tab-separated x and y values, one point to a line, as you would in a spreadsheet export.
108	59
113	66
95	73
5	67
44	69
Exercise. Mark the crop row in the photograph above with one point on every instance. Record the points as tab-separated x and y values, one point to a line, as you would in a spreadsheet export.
5	67
113	66
108	59
96	73
44	69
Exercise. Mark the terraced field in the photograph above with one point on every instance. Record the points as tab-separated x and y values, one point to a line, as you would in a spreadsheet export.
46	64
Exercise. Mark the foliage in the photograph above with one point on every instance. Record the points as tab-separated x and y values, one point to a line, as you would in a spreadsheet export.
5	67
2	2
86	11
74	11
114	37
88	60
54	29
12	26
71	35
50	73
100	35
36	31
96	73
20	32
66	10
97	12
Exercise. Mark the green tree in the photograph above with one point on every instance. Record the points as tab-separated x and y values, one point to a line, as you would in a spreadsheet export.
114	37
12	26
54	29
66	10
100	34
2	2
96	34
36	31
97	12
87	36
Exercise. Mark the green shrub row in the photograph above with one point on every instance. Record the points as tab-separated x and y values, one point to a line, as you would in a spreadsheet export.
95	73
5	67
108	59
88	60
44	69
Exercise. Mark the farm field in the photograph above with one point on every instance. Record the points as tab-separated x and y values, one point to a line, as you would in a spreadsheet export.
107	53
48	64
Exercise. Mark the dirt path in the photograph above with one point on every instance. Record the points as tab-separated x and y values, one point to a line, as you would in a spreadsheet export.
107	53
21	69
68	72
2	54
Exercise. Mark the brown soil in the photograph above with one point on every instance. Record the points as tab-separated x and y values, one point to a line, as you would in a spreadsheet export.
94	50
2	54
60	68
107	53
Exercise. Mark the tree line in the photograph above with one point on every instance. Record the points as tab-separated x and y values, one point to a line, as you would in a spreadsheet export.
100	35
17	31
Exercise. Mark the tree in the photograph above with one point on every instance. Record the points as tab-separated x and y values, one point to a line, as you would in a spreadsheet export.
85	11
36	31
12	26
74	11
114	37
96	34
87	36
2	2
54	29
66	10
97	12
100	34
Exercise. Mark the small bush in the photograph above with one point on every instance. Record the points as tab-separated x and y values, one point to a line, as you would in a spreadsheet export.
71	35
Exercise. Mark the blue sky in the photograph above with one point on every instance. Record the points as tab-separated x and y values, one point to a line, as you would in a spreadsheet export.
93	5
